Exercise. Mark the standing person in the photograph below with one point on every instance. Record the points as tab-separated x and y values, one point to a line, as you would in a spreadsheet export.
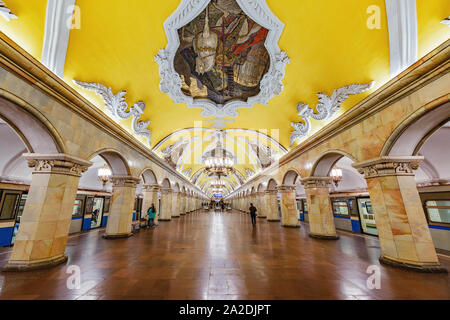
151	213
253	210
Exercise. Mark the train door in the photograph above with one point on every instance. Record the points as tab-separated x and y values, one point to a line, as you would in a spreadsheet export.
9	205
367	216
77	214
301	215
23	200
97	213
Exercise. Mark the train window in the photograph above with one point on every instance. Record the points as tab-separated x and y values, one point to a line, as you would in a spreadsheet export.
77	208
340	208
438	211
9	206
107	204
22	202
305	206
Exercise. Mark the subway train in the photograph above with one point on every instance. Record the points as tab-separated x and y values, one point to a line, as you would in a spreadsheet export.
352	212
90	211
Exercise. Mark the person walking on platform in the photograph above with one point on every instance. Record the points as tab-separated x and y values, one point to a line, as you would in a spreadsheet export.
151	213
253	210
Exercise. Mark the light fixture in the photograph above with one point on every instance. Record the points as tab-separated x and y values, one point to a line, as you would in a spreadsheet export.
104	174
336	175
219	161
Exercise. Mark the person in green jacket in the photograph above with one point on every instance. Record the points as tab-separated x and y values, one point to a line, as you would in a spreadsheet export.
151	213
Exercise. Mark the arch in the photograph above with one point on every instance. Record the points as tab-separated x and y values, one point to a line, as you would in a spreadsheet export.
115	160
35	130
253	190
290	177
260	187
149	177
176	187
166	184
410	135
322	167
272	185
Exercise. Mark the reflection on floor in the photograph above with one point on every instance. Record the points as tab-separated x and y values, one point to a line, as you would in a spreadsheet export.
220	256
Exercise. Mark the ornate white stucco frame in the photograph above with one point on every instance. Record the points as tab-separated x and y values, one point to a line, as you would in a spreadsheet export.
271	84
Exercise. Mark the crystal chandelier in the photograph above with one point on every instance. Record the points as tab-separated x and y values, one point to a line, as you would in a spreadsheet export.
104	174
336	176
219	161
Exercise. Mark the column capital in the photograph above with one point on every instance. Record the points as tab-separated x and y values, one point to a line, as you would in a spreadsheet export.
166	190
58	163
271	191
316	182
151	187
125	181
389	166
285	188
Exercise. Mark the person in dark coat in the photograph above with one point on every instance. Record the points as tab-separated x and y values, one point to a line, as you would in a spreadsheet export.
253	210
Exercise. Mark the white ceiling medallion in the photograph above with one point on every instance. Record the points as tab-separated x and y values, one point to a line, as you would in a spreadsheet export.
117	105
325	109
6	13
446	21
271	84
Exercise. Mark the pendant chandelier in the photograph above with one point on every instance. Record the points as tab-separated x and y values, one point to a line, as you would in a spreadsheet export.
336	176
104	174
219	161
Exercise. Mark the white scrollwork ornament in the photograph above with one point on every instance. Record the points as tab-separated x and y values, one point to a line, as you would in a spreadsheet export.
117	106
326	108
5	12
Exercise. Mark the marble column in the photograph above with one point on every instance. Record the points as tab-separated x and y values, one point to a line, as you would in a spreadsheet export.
289	213
150	196
272	206
122	203
261	205
166	205
176	204
182	203
321	219
404	235
44	226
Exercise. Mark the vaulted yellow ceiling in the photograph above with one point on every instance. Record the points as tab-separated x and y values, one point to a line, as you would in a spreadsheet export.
328	43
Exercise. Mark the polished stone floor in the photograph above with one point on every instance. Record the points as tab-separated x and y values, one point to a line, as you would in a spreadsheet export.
220	256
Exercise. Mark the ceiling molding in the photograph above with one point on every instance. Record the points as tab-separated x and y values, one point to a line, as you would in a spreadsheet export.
326	108
403	38
271	84
117	106
56	36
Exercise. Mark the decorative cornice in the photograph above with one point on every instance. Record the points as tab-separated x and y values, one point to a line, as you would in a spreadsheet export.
271	84
166	190
389	166
117	105
316	182
326	108
285	188
6	13
56	37
125	181
57	164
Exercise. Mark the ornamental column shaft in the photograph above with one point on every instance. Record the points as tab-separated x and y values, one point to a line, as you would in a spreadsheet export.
176	204
122	203
166	205
44	226
289	212
150	196
321	219
272	206
261	203
182	204
404	235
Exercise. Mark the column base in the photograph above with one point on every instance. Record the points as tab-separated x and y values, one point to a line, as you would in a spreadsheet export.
261	217
322	237
273	220
22	266
182	214
164	219
293	227
117	236
175	217
412	267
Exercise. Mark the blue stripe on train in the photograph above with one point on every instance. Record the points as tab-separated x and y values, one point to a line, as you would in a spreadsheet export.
86	224
104	221
6	236
439	227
